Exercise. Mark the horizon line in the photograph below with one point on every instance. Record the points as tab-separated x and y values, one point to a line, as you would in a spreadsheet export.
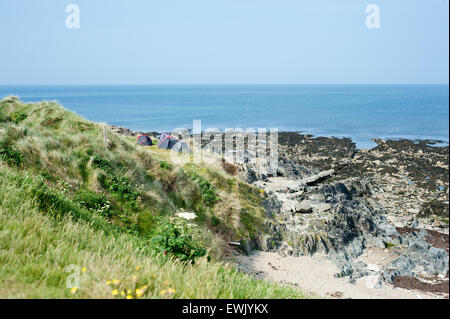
205	84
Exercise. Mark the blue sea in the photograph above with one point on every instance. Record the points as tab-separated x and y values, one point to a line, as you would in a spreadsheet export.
360	112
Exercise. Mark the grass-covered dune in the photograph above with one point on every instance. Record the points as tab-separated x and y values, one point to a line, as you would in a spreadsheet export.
79	219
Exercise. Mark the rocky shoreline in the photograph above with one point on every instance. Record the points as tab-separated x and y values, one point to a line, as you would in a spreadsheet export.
392	199
380	213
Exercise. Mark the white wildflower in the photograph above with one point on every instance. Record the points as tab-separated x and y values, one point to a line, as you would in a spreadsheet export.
187	216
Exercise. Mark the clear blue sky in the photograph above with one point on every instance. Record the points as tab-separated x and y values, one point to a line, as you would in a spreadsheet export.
223	41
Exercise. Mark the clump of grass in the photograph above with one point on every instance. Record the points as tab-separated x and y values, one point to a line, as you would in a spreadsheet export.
164	165
9	154
251	221
18	117
52	122
93	201
208	192
215	221
82	167
47	176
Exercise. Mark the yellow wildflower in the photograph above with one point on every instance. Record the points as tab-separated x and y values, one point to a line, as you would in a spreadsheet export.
138	267
162	292
115	292
108	282
134	277
122	293
139	292
116	281
129	291
83	269
129	297
73	290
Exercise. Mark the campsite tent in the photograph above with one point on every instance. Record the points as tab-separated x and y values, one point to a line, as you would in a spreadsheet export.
181	147
144	140
168	142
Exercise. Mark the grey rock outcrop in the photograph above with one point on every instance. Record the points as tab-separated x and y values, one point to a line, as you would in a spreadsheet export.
341	218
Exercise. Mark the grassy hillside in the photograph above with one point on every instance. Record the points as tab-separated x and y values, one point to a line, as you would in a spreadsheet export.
76	213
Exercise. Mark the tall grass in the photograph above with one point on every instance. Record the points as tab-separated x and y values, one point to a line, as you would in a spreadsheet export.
71	208
36	248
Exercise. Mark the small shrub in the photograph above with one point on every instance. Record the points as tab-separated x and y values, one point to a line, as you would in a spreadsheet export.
164	165
206	188
18	117
47	176
65	188
102	163
215	221
103	181
176	238
120	186
94	201
9	154
208	193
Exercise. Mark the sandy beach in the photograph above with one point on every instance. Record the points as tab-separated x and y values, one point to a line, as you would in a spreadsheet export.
316	275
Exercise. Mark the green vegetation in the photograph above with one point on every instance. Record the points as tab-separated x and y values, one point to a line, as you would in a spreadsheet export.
165	165
18	117
96	202
10	155
108	215
177	238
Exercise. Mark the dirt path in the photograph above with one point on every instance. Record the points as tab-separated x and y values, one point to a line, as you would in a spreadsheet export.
316	275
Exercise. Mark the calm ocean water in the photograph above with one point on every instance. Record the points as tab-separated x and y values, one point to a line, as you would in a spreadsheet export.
357	111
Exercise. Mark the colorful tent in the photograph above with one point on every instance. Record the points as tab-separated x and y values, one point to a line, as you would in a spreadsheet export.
144	140
168	142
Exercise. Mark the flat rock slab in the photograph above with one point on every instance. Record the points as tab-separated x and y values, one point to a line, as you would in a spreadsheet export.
304	207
